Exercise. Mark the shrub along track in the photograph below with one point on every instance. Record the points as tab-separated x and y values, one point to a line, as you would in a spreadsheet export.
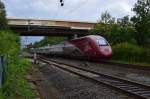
138	90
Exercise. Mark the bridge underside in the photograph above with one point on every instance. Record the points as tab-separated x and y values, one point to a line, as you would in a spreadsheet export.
35	30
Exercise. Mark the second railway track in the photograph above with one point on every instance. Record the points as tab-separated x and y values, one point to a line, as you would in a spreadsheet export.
138	90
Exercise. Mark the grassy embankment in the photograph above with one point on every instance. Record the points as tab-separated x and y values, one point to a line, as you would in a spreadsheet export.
16	85
131	53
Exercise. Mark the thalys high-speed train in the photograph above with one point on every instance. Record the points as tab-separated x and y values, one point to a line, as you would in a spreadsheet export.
92	46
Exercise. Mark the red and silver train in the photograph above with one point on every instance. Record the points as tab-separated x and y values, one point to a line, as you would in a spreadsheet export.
92	46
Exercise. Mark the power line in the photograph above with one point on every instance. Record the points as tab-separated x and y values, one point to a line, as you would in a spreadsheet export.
70	11
56	13
57	8
78	7
46	3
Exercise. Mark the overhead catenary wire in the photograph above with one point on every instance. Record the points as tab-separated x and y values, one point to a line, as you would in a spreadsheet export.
56	13
77	7
46	3
59	8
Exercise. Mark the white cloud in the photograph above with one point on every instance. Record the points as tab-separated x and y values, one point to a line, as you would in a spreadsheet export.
81	10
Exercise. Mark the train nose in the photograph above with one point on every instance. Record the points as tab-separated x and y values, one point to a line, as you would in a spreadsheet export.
106	51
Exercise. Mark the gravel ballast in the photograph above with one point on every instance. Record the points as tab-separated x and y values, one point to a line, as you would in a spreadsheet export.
64	85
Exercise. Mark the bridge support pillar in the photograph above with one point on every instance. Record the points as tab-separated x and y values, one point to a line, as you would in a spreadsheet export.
72	37
75	36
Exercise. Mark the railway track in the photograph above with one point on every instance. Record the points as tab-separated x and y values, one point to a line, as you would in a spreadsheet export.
138	90
125	65
133	66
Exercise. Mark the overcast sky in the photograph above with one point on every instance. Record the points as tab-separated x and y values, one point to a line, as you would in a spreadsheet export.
78	10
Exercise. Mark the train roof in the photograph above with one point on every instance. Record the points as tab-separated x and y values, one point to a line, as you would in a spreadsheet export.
94	36
89	36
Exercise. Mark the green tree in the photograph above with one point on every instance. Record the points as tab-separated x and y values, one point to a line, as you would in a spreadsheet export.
125	21
3	20
46	41
103	27
9	43
141	21
106	18
115	32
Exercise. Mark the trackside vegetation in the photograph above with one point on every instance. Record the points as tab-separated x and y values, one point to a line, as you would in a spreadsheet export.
131	53
46	41
15	84
16	68
129	37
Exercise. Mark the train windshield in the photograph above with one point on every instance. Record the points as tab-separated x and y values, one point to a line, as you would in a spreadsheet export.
101	42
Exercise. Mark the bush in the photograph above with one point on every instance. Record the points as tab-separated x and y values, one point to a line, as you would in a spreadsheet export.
115	33
15	86
131	53
9	43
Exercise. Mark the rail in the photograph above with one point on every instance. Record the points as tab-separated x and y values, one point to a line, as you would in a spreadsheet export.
132	88
126	65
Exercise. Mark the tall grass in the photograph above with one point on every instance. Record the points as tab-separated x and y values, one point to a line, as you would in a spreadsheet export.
16	86
131	53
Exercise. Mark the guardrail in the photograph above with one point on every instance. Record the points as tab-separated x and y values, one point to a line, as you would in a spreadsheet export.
2	70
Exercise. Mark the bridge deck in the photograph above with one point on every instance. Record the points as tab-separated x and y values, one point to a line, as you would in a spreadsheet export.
35	27
35	30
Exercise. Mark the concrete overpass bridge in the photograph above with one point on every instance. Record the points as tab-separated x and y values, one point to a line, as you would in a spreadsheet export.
36	27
